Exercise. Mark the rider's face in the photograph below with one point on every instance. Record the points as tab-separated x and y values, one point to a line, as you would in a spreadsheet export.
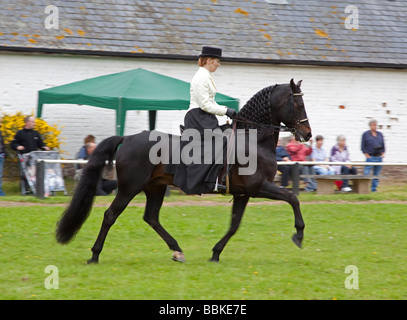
213	64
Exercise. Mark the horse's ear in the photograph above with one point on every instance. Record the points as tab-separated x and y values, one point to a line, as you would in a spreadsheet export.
293	86
299	83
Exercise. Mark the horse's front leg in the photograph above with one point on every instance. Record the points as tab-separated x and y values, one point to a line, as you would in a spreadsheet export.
239	204
271	191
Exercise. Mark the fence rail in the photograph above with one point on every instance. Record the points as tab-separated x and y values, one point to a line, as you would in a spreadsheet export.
295	174
353	163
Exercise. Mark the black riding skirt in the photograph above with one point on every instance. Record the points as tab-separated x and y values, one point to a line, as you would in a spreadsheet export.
198	178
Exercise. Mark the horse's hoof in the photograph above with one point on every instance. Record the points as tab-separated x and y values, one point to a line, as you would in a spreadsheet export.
215	257
92	261
178	256
297	240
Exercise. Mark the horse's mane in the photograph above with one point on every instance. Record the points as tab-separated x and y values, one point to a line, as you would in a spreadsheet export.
253	110
257	110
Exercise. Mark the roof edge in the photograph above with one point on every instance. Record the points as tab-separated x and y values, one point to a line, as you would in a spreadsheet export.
193	57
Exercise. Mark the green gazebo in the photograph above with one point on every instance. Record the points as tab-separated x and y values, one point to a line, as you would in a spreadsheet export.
136	89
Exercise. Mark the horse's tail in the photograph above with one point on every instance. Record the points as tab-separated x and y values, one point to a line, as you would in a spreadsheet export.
79	208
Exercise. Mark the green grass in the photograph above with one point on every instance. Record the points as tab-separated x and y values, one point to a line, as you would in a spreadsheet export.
397	192
260	261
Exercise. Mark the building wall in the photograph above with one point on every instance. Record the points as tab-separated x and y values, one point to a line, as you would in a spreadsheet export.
363	93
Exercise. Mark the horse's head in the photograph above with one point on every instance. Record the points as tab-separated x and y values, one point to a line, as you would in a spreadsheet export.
276	104
293	113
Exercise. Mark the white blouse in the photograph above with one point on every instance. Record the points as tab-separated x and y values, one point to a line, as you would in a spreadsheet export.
203	92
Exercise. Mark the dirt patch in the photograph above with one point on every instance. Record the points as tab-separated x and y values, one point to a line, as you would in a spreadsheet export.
28	204
204	203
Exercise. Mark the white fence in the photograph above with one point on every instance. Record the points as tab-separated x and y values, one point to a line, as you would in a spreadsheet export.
295	171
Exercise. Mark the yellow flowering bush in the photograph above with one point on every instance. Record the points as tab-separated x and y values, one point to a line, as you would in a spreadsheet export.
12	123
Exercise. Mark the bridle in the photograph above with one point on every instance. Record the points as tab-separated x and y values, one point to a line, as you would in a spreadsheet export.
300	120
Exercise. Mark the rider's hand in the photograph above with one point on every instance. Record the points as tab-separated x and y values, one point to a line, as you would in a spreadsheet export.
20	148
231	113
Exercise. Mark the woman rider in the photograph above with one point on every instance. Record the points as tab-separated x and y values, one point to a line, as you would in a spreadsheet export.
201	178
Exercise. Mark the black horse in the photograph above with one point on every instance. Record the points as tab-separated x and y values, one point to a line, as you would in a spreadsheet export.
135	173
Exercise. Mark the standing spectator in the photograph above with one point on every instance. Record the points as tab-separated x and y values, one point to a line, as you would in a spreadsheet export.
2	158
299	152
319	154
373	148
27	139
282	155
340	153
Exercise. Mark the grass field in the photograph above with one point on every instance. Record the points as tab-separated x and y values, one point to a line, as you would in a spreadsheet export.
260	262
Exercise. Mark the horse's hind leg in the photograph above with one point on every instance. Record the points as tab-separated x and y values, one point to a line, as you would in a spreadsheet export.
155	196
271	191
111	214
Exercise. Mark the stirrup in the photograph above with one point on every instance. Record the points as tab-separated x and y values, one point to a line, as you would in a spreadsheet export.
220	187
216	186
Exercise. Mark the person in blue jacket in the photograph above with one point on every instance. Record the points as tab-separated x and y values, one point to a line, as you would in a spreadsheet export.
373	148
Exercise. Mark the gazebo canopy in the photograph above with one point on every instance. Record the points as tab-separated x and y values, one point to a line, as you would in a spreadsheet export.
136	89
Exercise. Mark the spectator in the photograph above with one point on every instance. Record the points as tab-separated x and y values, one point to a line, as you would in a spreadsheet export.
2	158
282	155
82	151
298	152
27	139
373	148
319	154
88	149
104	186
340	153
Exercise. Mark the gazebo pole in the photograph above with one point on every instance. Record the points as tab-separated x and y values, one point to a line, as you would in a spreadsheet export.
152	115
120	118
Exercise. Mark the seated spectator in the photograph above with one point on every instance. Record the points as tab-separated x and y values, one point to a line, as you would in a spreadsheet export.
298	152
340	153
104	186
89	148
82	151
319	155
282	155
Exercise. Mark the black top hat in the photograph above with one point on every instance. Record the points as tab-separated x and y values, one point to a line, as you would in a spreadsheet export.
211	52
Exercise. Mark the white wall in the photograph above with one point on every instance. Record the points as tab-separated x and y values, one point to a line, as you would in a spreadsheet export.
362	92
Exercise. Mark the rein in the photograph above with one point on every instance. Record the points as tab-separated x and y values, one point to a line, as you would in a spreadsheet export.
263	125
